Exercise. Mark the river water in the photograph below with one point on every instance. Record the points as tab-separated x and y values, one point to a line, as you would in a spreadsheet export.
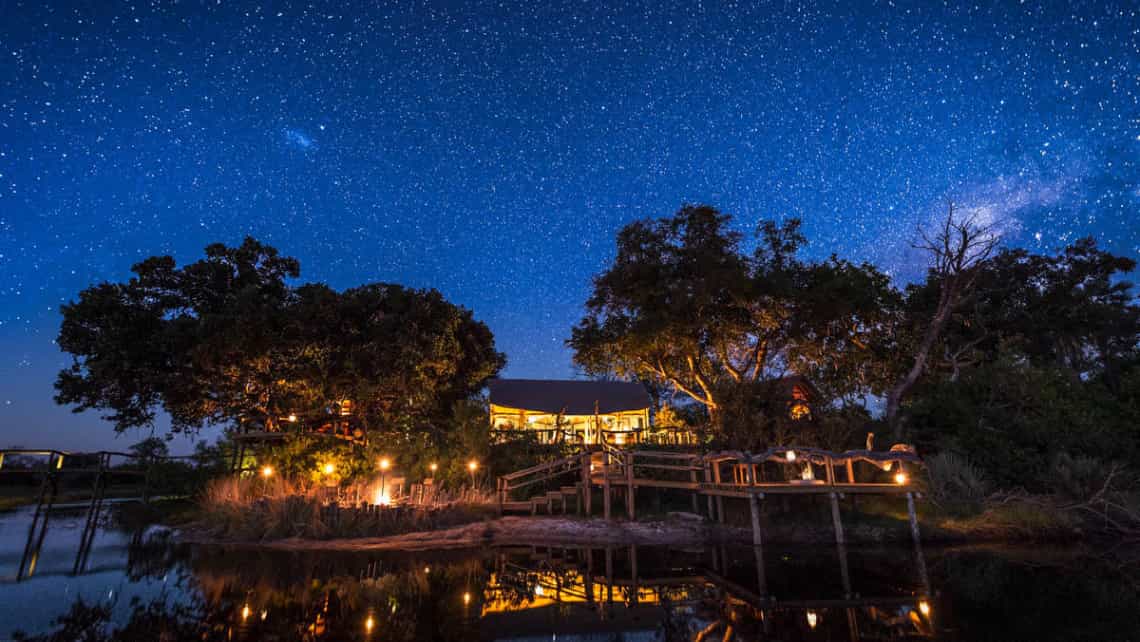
136	584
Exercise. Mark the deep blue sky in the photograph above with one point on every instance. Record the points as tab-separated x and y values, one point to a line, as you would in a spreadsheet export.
493	150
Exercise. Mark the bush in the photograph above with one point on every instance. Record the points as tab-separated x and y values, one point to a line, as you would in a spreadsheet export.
954	481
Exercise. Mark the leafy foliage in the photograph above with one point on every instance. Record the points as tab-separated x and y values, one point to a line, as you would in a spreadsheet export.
226	340
684	306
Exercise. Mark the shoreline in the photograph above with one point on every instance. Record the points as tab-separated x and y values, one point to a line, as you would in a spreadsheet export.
676	530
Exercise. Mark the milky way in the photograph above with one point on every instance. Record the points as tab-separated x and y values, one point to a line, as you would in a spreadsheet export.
492	151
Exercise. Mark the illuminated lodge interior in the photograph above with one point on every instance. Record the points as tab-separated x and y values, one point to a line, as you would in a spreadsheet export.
587	412
593	412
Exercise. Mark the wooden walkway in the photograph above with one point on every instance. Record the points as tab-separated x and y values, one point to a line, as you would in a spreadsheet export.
93	472
714	477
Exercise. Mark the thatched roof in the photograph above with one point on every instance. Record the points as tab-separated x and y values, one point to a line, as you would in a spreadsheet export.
569	397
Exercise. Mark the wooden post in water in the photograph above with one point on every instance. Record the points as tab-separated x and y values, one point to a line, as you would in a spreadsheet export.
913	518
753	503
708	480
719	499
696	491
835	517
630	489
606	485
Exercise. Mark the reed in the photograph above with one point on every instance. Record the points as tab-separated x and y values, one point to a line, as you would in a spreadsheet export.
250	509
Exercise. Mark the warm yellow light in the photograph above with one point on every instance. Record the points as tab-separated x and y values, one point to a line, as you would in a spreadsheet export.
433	467
383	498
267	471
924	607
812	619
385	463
790	455
466	598
329	469
900	478
369	623
619	439
538	590
427	569
472	465
292	419
264	614
245	612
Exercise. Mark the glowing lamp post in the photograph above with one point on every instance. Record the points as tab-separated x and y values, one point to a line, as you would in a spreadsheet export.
900	478
433	467
790	455
385	463
472	466
267	471
329	469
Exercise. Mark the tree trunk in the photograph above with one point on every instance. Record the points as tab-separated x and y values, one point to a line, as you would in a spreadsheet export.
895	395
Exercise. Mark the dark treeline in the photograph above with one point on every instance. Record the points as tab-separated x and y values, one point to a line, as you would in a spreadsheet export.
1006	369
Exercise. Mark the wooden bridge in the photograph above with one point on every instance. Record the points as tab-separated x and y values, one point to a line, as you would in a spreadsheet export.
714	477
91	474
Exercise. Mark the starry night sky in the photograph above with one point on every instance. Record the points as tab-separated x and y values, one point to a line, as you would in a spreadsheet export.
493	150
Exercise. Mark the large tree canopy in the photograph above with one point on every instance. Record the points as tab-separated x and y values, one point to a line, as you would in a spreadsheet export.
227	339
1071	311
684	305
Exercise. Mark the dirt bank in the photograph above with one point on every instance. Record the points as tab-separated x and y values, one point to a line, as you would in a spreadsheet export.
505	530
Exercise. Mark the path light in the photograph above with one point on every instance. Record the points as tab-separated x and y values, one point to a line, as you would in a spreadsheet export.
812	619
382	497
433	467
900	478
369	624
466	598
790	455
267	471
472	466
329	469
924	607
292	419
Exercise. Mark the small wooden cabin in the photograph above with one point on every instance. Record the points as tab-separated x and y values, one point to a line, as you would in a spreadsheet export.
587	412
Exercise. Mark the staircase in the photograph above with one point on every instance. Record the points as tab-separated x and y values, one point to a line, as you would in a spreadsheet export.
565	472
574	475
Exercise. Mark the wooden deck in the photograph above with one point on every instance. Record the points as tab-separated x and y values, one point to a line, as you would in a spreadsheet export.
715	477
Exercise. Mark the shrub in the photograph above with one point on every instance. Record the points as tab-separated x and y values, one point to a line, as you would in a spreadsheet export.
955	481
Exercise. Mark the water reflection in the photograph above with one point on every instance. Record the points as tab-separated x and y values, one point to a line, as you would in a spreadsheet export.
173	592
